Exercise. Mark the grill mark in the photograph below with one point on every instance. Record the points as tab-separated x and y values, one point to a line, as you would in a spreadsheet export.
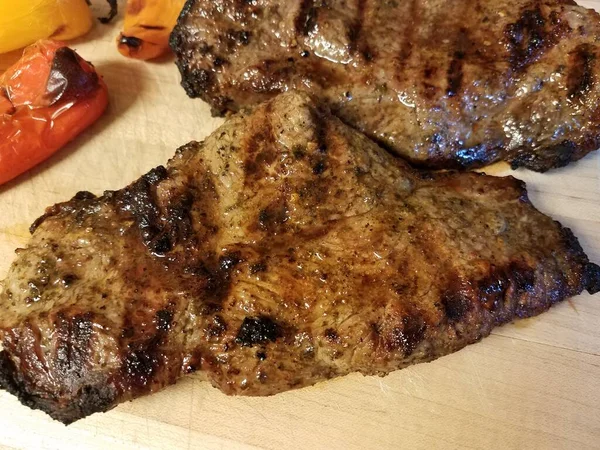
455	69
581	76
73	344
409	34
306	19
455	74
456	306
530	36
320	131
259	148
152	27
355	31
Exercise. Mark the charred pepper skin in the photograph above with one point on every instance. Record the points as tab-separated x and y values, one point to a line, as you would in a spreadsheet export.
46	99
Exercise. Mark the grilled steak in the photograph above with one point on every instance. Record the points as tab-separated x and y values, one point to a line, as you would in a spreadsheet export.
285	250
444	84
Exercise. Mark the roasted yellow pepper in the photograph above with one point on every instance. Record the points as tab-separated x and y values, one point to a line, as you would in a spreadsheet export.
148	25
23	22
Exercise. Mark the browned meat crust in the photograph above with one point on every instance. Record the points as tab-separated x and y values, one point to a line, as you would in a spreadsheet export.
285	250
445	84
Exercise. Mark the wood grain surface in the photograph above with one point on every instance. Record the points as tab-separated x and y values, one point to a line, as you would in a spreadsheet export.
532	384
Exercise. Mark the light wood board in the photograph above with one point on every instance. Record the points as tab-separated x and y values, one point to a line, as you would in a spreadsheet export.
533	384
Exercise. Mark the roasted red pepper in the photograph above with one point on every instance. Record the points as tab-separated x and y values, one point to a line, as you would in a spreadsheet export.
46	99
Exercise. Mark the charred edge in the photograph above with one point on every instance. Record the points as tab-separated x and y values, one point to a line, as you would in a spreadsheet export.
88	400
581	76
516	278
592	278
80	198
68	81
196	82
546	158
112	13
476	156
130	41
306	20
591	271
258	330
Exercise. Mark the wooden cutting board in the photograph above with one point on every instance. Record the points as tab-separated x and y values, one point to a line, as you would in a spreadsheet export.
534	384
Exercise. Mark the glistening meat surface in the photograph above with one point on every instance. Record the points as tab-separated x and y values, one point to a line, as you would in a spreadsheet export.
284	250
444	84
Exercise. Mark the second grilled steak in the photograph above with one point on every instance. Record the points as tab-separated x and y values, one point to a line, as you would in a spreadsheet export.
285	250
445	84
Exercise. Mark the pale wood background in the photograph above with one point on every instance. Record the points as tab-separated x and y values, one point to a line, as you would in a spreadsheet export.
534	384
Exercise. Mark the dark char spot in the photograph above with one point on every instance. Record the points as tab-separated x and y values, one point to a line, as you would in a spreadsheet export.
523	277
163	320
141	362
331	335
258	267
407	336
130	41
528	37
319	168
258	330
456	306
